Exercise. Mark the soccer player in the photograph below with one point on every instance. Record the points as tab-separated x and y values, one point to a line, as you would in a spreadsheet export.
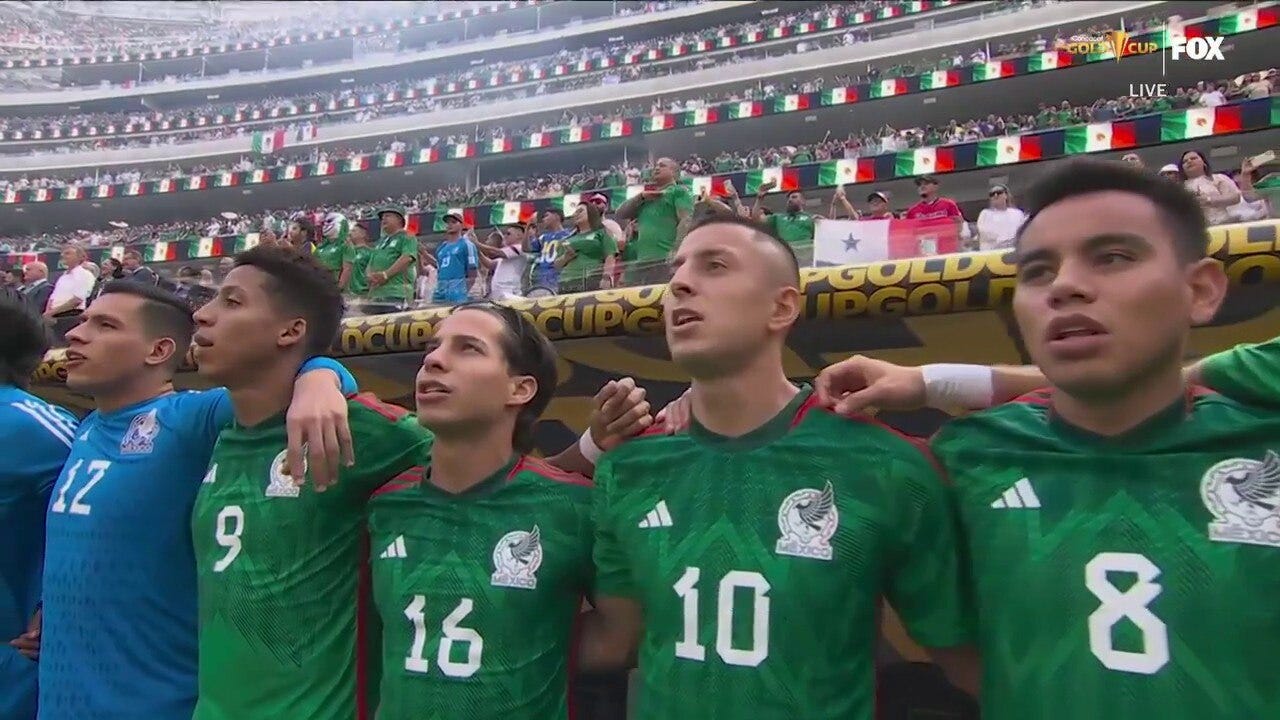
758	544
1122	527
279	566
481	555
118	637
35	437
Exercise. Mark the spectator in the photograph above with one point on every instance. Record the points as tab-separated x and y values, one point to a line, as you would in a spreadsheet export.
546	247
1252	206
1215	191
111	270
590	253
12	287
662	212
359	239
614	230
998	223
878	206
933	206
1171	172
1132	159
132	268
794	225
36	287
510	262
72	287
457	263
391	270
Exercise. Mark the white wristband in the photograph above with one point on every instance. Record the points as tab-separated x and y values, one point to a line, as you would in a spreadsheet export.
588	447
948	385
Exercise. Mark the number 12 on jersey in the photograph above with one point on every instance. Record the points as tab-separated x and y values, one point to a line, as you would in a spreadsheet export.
689	647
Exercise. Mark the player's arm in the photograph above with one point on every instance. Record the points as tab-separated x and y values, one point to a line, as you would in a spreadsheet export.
926	581
618	411
1245	372
387	441
316	420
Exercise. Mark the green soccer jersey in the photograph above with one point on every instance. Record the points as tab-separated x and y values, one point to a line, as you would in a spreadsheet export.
359	282
1246	372
478	593
333	253
760	562
793	228
278	567
1122	578
383	255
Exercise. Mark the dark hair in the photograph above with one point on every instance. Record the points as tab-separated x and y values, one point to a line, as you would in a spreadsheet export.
595	219
1208	169
527	352
762	232
300	284
1180	210
15	271
164	314
555	211
24	340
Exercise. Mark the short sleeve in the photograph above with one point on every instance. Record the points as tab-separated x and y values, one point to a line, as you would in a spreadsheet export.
925	581
1248	373
953	210
613	572
473	256
349	254
206	413
408	246
681	198
387	440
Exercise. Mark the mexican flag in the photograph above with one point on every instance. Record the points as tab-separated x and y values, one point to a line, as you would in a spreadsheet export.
746	109
265	143
510	212
783	179
1199	122
838	172
925	161
1005	150
791	103
838	96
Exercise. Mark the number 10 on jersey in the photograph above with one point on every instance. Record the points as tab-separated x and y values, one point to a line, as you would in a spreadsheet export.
727	607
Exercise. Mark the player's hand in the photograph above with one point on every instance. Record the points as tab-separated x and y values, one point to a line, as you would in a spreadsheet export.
319	436
675	417
851	386
618	412
28	643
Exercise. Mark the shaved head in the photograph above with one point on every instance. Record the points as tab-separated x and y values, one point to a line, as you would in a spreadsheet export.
776	256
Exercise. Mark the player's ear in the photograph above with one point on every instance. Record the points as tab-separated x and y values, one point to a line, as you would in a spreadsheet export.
523	388
1207	285
292	333
788	303
162	351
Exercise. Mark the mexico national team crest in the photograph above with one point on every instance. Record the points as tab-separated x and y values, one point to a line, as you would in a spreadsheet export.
281	484
807	519
516	559
1244	497
140	438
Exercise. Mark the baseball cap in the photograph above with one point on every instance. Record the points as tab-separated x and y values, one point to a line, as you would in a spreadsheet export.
455	216
878	195
927	179
1170	168
997	188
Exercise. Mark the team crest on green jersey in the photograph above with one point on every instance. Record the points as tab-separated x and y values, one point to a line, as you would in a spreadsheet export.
807	519
516	559
1244	497
281	484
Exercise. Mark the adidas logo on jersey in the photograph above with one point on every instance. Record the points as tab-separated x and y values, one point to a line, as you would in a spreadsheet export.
395	549
1020	495
658	517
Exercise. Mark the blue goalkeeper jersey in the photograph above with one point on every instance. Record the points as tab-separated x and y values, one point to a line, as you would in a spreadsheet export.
35	438
119	621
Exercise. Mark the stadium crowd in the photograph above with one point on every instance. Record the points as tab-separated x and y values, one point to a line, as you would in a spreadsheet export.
857	143
466	99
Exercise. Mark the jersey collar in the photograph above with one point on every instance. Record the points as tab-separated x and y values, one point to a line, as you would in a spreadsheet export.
1154	427
774	428
481	489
